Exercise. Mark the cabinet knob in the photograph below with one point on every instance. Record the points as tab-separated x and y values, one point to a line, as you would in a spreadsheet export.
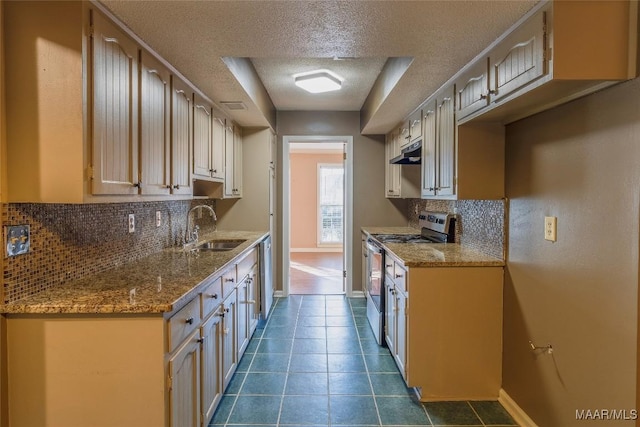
189	321
137	184
226	310
177	186
200	340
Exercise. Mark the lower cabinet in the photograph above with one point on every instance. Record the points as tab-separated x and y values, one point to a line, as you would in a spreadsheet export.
229	338
444	329
211	378
184	384
132	370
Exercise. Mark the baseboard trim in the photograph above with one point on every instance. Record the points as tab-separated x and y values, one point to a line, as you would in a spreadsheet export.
278	294
516	412
322	249
357	294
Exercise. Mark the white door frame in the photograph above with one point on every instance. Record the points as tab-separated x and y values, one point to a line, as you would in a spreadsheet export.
286	206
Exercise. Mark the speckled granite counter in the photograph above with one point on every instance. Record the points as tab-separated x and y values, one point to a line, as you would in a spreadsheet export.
163	282
433	254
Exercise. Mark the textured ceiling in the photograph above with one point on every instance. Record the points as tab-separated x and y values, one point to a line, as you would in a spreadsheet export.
285	37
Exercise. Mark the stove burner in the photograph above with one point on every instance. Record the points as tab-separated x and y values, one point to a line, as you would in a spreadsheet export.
401	238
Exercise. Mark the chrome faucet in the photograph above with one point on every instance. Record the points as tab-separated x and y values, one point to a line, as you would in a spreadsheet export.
191	236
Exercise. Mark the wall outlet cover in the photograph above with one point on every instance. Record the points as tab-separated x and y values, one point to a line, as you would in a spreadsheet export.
158	218
132	223
550	228
17	239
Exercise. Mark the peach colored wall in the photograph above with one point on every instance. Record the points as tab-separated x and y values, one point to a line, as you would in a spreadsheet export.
304	197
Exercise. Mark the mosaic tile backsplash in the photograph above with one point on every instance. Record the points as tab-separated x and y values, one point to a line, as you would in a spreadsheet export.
480	224
73	241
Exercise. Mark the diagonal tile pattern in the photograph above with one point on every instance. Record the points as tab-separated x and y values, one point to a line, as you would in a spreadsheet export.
316	363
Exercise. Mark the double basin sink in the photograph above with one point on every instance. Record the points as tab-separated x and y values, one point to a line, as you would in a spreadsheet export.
215	245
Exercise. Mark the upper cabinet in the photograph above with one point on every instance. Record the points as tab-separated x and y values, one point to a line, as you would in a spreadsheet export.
460	161
401	181
202	138
181	136
233	161
438	146
559	51
155	118
102	118
114	80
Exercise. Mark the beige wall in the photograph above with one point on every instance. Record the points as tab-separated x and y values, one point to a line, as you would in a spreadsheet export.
370	207
304	197
251	212
581	163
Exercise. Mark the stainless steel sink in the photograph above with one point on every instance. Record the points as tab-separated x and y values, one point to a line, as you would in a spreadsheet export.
219	245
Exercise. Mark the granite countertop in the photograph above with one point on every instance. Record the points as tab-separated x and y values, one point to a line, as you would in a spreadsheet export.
418	255
163	282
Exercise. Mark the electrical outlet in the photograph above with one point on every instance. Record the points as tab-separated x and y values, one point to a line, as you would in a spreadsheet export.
550	228
158	219
132	223
17	239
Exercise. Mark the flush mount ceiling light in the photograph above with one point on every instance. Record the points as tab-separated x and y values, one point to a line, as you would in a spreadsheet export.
318	81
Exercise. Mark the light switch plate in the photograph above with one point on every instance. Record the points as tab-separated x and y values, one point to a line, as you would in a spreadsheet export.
550	228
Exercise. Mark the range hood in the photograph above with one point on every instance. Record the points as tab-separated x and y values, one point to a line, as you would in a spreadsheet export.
410	155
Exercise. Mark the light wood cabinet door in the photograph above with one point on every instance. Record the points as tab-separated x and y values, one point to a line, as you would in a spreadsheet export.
242	319
217	150
211	365
472	89
184	388
415	126
181	136
228	161
253	301
202	138
229	353
519	59
237	161
114	73
392	175
446	128
155	92
429	152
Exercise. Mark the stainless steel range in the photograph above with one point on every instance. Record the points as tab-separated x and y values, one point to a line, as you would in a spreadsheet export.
436	227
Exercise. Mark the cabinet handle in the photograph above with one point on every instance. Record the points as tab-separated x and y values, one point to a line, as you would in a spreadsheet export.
483	96
214	296
415	122
137	184
200	340
230	279
493	92
388	265
189	321
226	310
177	186
398	276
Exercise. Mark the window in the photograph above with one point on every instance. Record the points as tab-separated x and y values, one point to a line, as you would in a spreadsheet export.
330	204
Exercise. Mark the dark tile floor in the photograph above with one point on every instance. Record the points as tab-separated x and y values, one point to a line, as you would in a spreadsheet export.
316	363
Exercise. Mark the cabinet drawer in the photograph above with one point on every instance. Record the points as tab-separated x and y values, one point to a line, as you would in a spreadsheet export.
389	267
183	323
400	277
211	297
228	282
246	264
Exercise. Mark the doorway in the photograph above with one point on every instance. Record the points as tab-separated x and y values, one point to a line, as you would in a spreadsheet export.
317	201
